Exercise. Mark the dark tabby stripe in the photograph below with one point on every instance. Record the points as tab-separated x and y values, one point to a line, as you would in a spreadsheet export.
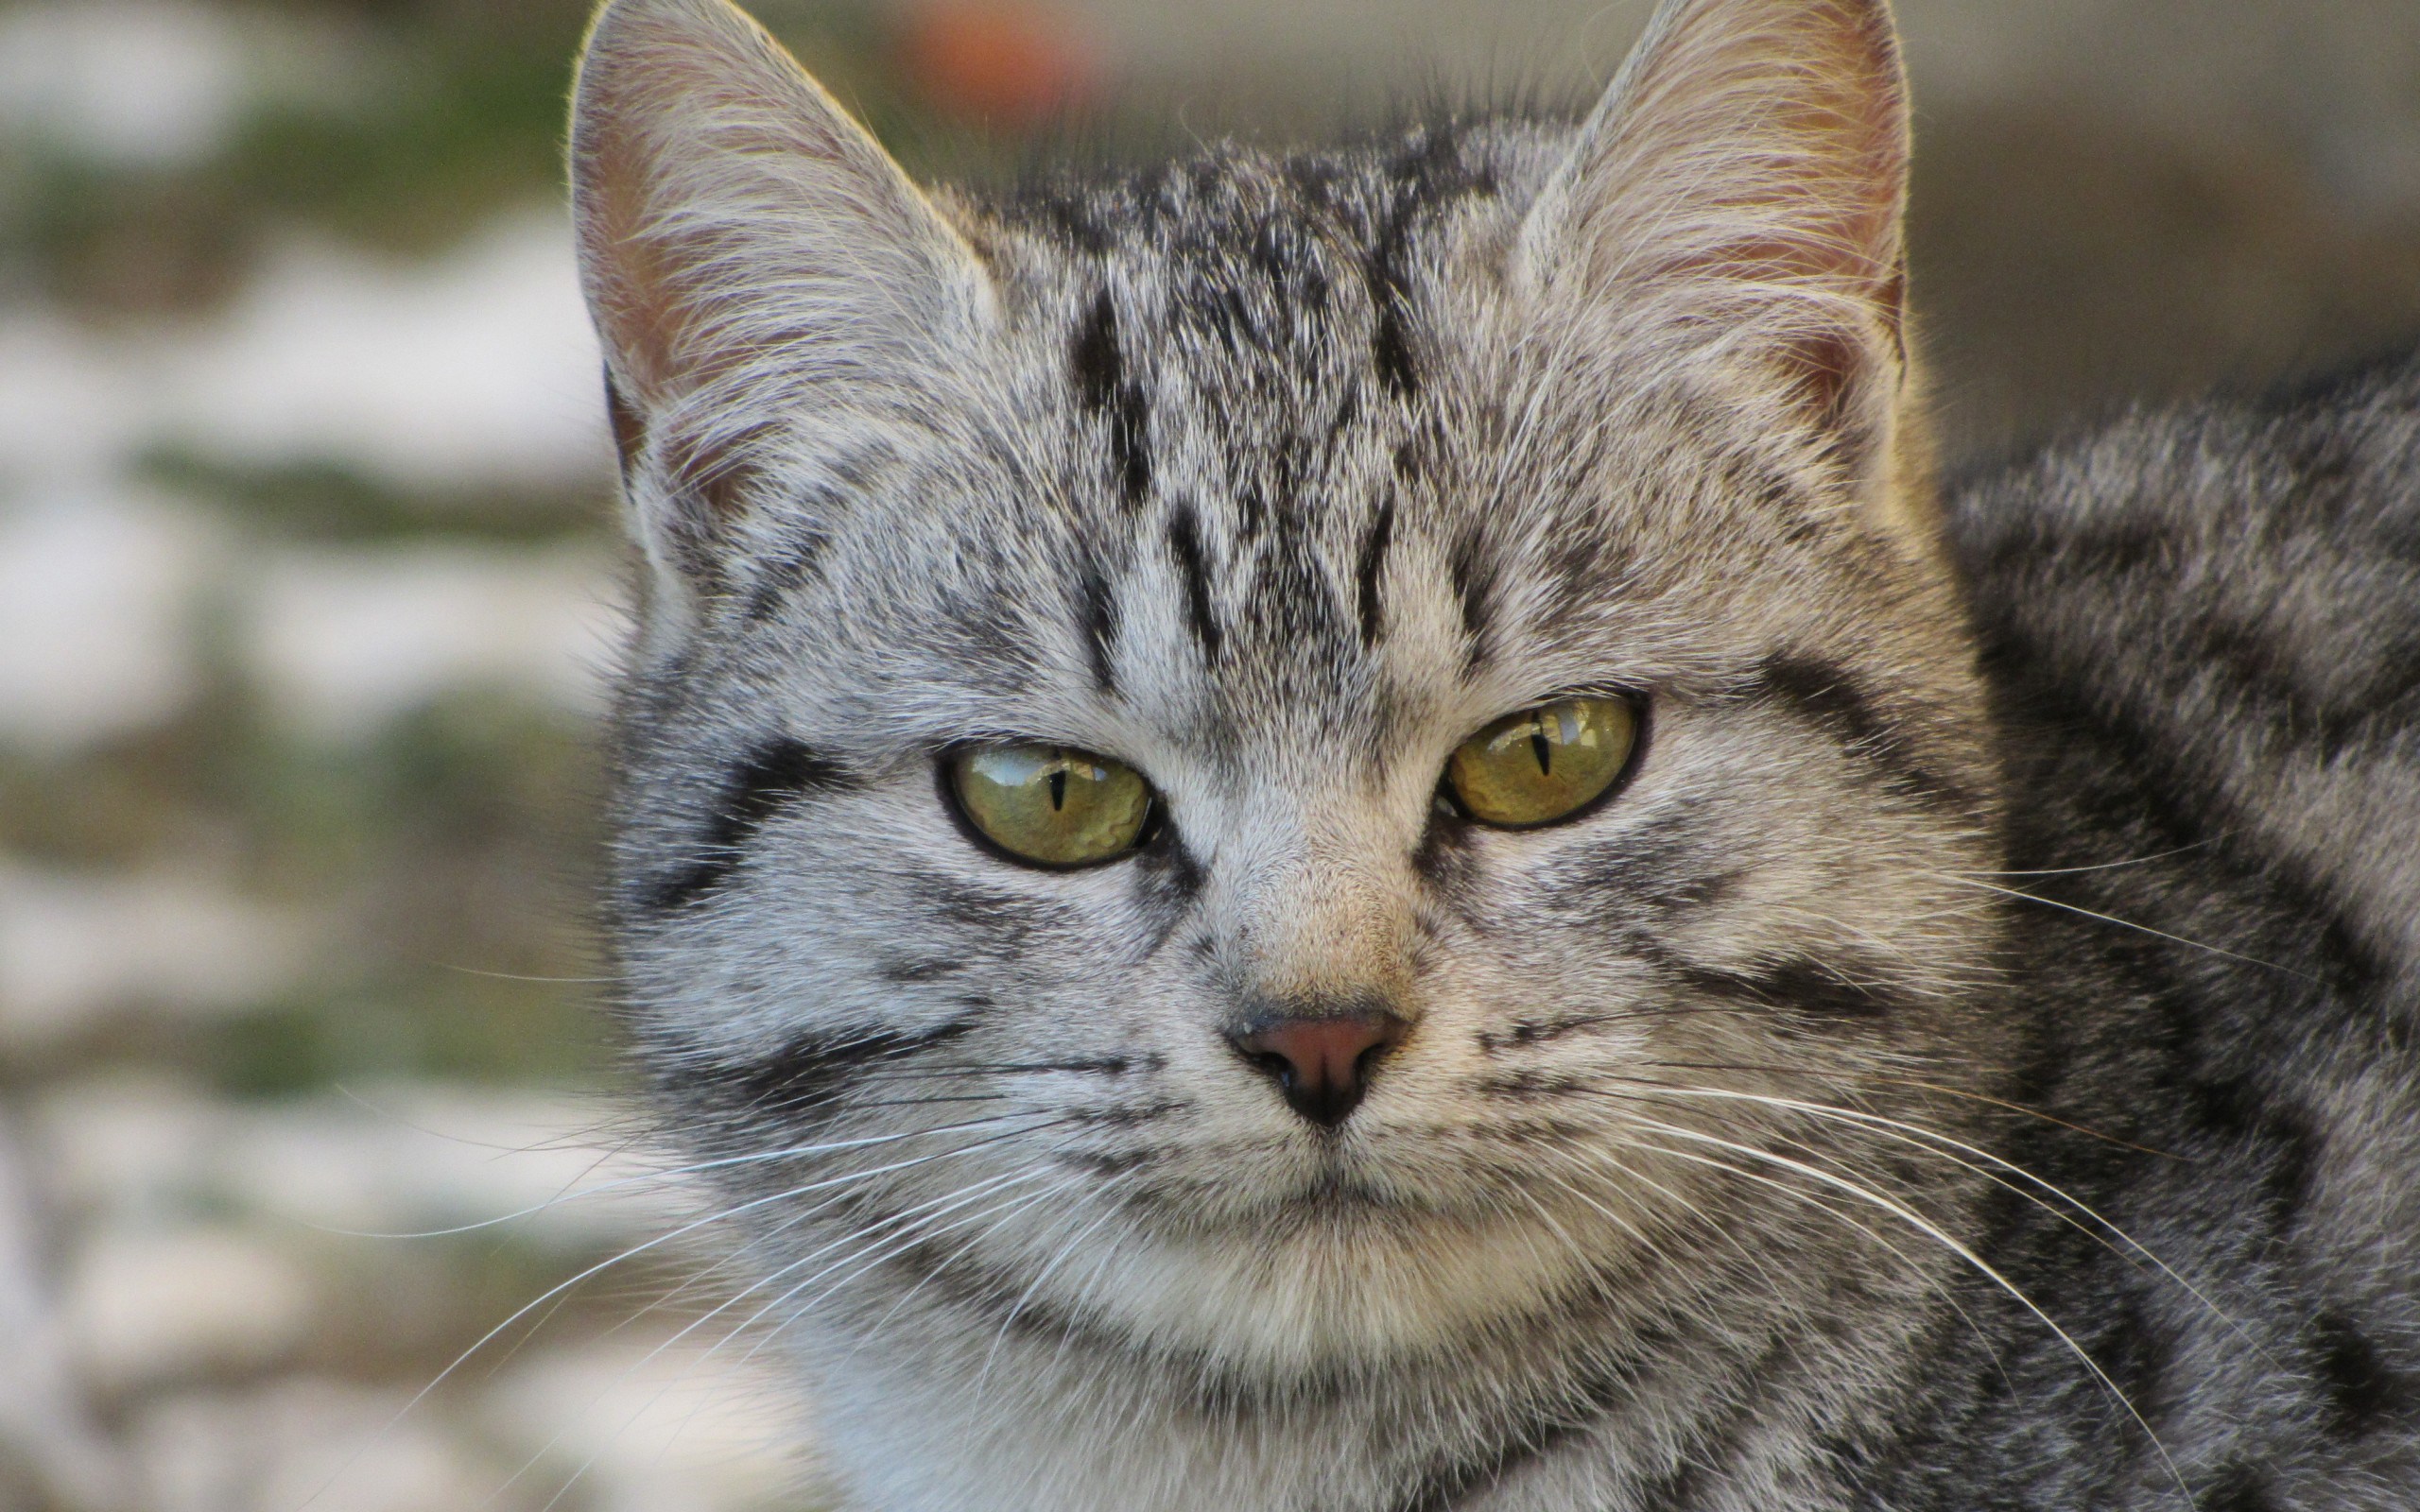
1184	545
1098	607
1794	985
1104	386
776	773
1371	574
809	1070
1834	700
1428	174
2364	1393
1475	589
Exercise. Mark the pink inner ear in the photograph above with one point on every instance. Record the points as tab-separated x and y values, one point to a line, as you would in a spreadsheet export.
635	301
642	304
667	92
725	205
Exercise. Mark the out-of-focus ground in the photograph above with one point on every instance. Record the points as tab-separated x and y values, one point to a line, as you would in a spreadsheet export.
307	576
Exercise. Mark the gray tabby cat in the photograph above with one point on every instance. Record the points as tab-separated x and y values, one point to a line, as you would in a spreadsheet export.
1342	831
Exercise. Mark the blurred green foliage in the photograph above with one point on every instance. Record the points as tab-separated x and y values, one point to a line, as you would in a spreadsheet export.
446	867
331	502
452	110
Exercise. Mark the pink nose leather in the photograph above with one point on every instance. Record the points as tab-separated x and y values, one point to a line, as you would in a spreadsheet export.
1321	1065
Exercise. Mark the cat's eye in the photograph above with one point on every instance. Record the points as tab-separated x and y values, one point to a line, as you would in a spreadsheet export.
1543	765
1050	806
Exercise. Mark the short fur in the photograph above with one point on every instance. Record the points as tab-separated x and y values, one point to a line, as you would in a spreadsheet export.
1930	1082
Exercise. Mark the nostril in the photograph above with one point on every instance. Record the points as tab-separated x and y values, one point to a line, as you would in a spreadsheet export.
1321	1065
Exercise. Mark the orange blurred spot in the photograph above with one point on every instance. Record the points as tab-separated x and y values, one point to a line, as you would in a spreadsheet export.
998	60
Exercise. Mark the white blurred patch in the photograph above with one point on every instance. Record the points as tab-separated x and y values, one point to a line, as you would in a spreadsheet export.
45	1431
141	82
472	369
536	1170
344	640
477	367
97	595
146	1307
79	951
74	404
659	1425
326	1445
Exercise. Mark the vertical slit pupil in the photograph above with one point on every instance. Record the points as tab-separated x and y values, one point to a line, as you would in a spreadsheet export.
1542	747
1059	790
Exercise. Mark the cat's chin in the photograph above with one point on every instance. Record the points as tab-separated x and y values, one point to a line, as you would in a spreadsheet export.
1345	1274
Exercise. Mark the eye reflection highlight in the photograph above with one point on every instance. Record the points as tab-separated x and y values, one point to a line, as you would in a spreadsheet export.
1048	805
1543	765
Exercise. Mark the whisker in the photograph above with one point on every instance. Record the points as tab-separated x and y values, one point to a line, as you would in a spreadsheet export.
517	976
2104	866
1947	1240
2124	923
927	1280
1915	1136
1837	1214
1017	1308
1630	1173
722	1216
2085	1130
699	1322
896	1244
670	1175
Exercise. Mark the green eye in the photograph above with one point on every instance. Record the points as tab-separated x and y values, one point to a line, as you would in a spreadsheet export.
1544	764
1048	805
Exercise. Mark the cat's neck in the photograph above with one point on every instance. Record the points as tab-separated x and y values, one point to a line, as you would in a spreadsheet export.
1597	1404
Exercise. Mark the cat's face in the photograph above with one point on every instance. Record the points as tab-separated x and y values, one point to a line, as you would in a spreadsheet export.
1276	482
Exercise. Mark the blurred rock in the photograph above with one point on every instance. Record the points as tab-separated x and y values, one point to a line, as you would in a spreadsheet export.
98	594
344	642
544	1172
398	1160
74	404
51	1452
325	1445
79	951
656	1425
146	1308
121	1145
477	368
129	81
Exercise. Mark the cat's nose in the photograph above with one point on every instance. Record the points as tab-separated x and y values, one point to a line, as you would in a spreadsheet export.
1322	1064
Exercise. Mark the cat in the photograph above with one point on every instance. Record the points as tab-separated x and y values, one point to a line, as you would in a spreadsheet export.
1350	831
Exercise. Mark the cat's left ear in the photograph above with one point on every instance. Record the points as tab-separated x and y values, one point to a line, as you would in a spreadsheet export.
1740	193
754	260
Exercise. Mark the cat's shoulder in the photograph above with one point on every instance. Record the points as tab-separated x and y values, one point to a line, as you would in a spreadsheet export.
2321	477
2227	593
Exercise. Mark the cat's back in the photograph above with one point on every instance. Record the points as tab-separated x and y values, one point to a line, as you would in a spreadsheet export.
2200	627
2228	595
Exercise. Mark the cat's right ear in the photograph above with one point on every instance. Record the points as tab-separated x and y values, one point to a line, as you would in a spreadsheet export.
752	257
1736	198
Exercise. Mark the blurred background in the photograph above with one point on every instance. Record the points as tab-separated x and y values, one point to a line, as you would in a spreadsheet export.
307	575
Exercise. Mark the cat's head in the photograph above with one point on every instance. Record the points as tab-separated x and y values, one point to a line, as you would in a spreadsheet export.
1286	757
